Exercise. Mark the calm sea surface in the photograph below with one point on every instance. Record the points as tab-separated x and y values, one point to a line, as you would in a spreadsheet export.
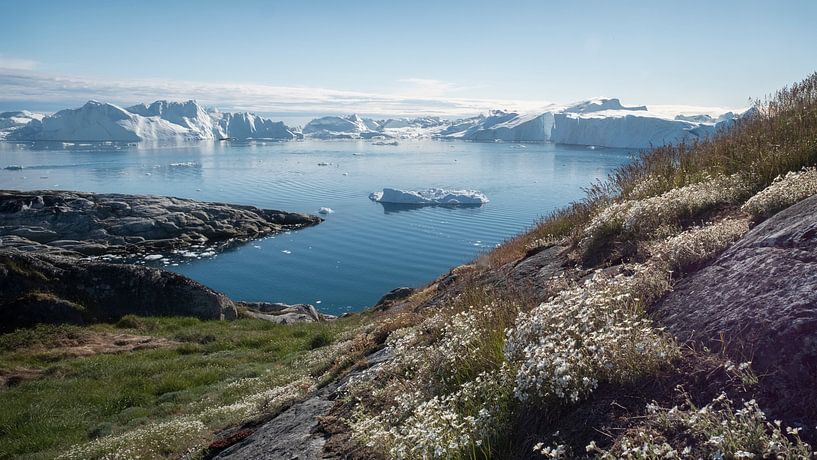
363	249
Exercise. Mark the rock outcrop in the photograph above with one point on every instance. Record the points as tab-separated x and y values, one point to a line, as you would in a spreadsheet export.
758	302
74	223
282	313
42	288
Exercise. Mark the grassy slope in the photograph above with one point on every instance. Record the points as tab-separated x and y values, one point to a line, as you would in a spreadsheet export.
85	397
669	192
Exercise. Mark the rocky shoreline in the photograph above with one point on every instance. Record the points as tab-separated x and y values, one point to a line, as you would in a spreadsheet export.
89	224
53	245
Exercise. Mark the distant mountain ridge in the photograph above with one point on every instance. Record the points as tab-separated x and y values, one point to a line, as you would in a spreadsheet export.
602	122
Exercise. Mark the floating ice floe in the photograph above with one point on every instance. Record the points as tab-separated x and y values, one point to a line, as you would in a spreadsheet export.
286	251
153	257
185	164
429	196
325	211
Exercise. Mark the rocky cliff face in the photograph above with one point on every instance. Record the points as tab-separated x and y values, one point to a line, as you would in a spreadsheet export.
40	288
758	302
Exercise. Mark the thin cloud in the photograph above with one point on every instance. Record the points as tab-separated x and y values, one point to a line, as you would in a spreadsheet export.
24	86
10	63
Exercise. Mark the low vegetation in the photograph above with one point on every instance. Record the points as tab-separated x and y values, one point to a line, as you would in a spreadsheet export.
149	402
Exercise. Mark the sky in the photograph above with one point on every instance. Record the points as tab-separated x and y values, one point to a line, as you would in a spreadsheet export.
413	57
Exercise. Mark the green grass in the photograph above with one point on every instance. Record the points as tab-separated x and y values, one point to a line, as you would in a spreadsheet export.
78	399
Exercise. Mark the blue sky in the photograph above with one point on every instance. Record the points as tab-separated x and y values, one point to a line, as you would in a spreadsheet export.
401	57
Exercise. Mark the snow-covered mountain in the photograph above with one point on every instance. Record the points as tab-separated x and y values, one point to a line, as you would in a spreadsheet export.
159	121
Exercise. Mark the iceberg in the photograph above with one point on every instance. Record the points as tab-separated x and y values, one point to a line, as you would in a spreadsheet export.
97	121
602	122
11	121
246	125
504	126
189	115
160	121
349	127
624	130
429	196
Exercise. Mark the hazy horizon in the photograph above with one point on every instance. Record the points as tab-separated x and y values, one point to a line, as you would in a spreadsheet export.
299	60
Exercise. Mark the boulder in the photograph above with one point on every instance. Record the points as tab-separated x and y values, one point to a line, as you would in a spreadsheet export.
282	313
758	302
392	297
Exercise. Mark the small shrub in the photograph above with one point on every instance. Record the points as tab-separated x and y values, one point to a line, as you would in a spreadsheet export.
130	322
198	337
319	340
587	334
716	430
151	441
640	219
697	245
782	193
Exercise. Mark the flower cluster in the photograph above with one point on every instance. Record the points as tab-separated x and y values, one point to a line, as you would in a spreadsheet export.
156	440
268	400
589	333
544	242
444	390
444	425
643	216
649	186
782	193
716	430
698	244
559	451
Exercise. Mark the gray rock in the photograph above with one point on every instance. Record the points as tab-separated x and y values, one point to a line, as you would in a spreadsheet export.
758	302
291	435
283	313
393	296
133	224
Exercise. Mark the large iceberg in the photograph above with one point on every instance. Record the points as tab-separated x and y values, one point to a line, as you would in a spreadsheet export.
246	125
504	126
349	127
187	114
159	121
11	121
429	196
602	122
97	121
625	130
